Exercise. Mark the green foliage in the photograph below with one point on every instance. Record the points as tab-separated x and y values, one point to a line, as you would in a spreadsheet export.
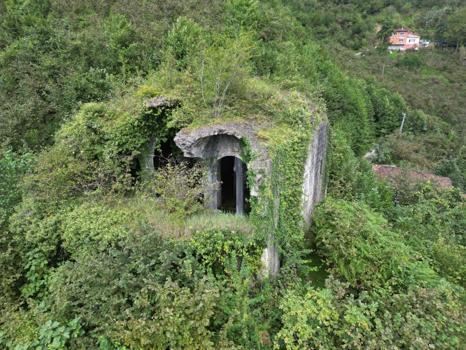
388	109
12	169
54	336
216	248
93	255
166	308
352	178
410	61
288	166
94	224
308	320
279	209
156	291
456	27
455	168
431	221
178	189
335	318
184	39
425	144
212	77
219	221
36	273
243	14
360	248
28	242
349	109
56	55
90	283
96	150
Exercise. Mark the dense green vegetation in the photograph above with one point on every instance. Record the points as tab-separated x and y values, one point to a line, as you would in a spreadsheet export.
430	81
96	254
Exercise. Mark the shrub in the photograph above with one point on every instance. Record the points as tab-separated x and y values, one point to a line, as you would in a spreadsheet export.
352	178
334	318
12	169
96	225
215	248
388	109
348	108
138	291
183	41
309	321
106	287
32	241
178	188
431	221
96	149
169	316
410	61
359	247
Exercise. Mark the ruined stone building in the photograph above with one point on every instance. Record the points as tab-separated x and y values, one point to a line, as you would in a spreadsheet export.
241	168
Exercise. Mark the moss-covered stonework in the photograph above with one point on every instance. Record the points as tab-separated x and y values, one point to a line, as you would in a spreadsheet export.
285	163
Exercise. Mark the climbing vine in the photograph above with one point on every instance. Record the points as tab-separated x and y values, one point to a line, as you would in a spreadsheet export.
278	212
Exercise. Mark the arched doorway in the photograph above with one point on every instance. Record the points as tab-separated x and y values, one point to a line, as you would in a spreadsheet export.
233	192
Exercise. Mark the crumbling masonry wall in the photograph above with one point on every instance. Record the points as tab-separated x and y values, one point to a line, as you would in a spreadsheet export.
212	142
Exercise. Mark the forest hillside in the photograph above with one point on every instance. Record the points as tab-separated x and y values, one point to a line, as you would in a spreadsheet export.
97	253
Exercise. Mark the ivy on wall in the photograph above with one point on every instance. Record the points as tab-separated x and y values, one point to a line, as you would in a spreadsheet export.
278	212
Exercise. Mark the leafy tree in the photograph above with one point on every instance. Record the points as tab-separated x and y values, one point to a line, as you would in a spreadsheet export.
456	27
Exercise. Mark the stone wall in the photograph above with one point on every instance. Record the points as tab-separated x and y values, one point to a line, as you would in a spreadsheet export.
213	142
314	172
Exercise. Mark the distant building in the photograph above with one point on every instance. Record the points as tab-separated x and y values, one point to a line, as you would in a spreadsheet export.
403	39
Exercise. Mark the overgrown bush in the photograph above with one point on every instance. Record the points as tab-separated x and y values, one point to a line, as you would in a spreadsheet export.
97	149
431	221
359	247
12	169
335	318
352	178
410	61
348	108
217	249
179	188
388	109
96	253
95	225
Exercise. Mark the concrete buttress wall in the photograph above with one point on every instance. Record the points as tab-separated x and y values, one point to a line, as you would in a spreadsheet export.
314	172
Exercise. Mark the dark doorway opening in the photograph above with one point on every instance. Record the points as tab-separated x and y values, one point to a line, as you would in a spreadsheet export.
227	178
234	192
167	151
164	153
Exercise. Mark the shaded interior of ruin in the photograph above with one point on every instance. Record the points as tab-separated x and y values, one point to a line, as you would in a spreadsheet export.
168	151
163	154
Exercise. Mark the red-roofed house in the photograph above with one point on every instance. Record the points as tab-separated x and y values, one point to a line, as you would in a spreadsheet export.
403	39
